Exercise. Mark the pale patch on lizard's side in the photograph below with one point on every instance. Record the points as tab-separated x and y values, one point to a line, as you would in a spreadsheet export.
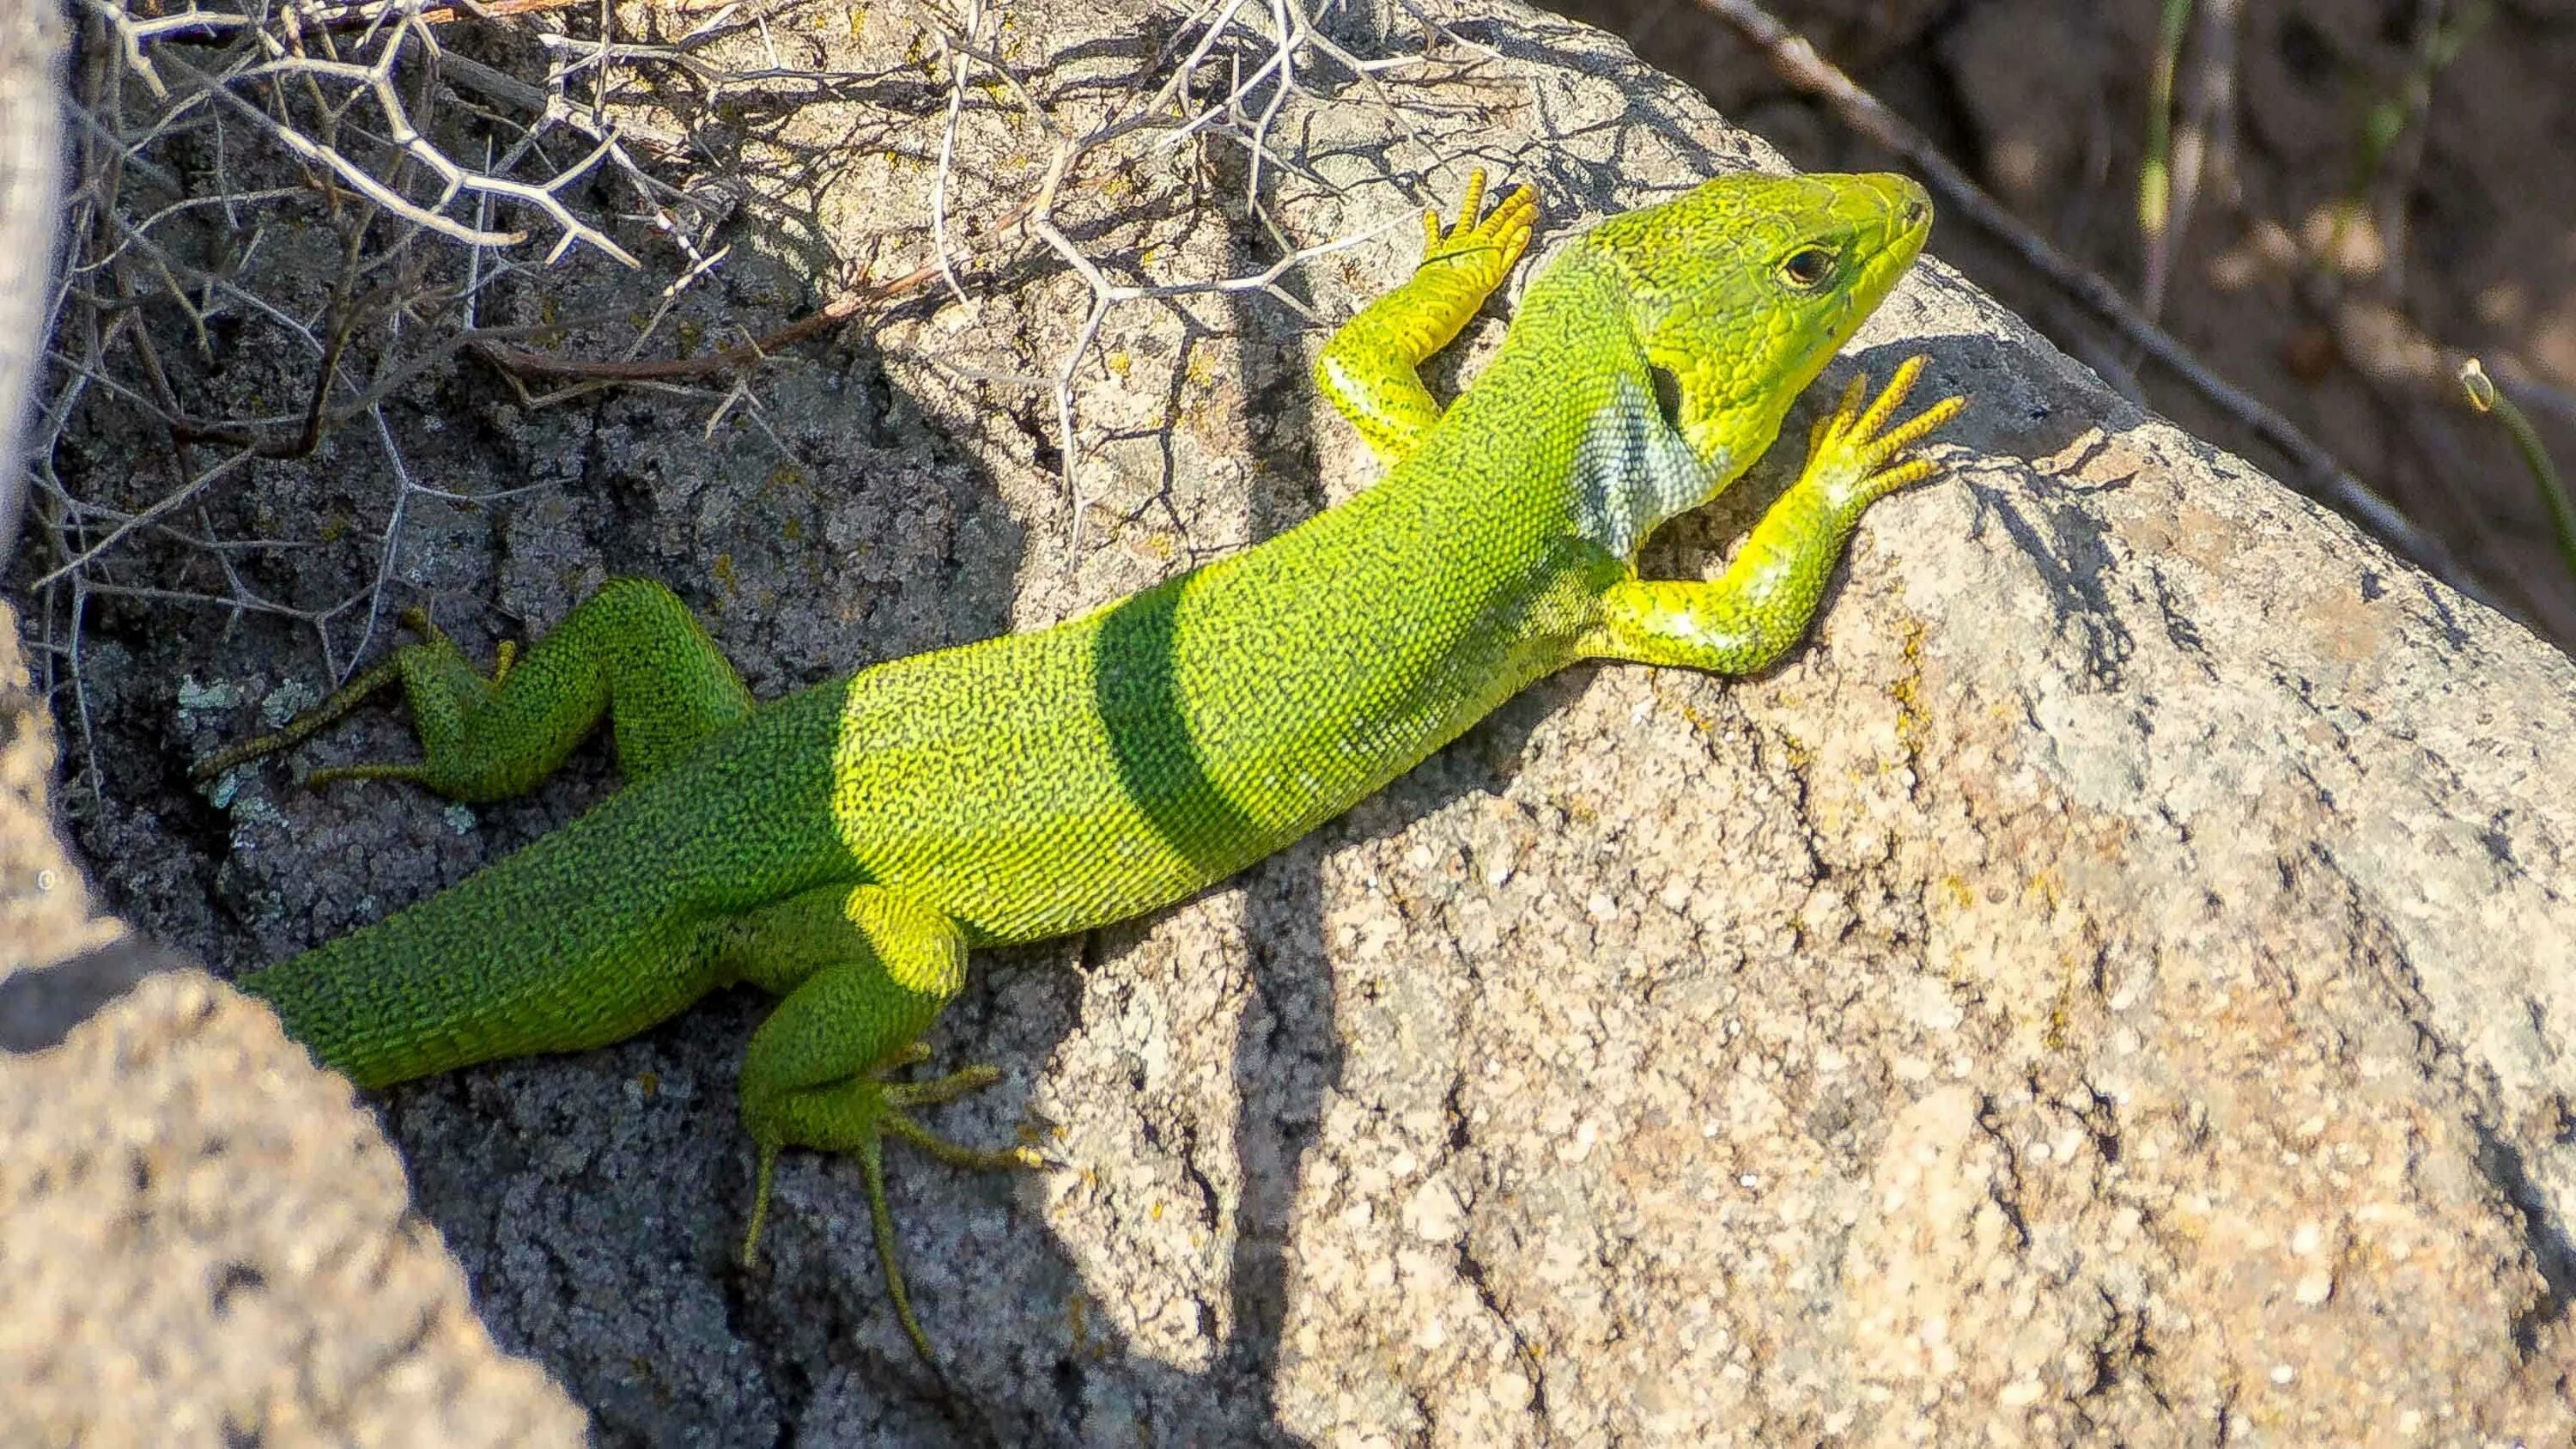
1633	471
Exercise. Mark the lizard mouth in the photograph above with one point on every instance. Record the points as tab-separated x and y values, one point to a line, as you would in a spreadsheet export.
1907	226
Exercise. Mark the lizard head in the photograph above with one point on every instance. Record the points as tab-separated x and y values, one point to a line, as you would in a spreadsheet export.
1742	288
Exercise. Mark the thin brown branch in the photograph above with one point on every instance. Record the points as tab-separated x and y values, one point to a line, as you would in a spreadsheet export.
832	314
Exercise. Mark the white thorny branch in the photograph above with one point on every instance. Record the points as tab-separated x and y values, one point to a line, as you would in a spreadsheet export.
173	106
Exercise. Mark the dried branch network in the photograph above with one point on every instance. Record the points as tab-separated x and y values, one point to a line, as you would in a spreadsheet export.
287	217
1263	50
278	183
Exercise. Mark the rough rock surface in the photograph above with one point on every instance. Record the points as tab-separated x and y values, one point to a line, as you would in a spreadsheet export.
34	40
203	1240
2112	985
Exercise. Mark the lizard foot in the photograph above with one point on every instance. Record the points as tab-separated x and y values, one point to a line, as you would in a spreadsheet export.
345	699
1853	461
855	1116
1487	245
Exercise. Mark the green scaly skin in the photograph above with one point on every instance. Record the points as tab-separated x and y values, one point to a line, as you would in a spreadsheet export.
846	846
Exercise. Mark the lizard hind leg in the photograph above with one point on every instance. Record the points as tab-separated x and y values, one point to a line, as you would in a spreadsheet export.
864	972
631	652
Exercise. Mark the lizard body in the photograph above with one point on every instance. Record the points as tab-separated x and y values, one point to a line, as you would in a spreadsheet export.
845	846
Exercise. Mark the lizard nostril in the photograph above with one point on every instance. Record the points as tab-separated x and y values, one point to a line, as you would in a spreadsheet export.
1916	215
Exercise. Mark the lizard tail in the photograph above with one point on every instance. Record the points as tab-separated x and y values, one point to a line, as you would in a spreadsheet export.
596	931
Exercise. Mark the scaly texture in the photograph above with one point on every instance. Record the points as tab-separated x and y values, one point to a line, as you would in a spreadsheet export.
845	847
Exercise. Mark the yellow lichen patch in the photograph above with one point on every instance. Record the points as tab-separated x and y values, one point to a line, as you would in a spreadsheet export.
1913	726
1162	545
2057	1033
1678	700
2045	888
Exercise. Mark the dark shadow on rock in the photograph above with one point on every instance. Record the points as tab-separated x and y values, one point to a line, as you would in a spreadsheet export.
39	1008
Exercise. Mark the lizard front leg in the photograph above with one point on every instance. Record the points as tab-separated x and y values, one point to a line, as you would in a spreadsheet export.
1747	618
864	972
1368	370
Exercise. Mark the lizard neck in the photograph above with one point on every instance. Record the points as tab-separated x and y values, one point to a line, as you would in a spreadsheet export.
1565	431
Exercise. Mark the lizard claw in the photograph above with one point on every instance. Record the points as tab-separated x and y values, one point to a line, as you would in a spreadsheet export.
856	1116
1487	245
1856	457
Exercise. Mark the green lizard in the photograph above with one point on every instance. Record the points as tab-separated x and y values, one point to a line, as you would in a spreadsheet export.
845	847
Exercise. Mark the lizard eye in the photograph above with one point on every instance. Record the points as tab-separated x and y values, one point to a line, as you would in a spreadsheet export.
1807	268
